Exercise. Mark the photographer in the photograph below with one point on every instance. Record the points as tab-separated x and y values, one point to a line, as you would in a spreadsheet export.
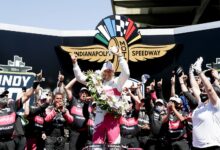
55	120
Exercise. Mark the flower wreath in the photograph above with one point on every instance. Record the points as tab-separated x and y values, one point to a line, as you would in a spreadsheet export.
109	103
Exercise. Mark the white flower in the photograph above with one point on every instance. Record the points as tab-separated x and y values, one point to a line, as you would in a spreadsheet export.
99	89
103	97
118	106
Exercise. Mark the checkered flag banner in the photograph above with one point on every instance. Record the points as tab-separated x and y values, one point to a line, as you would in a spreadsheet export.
117	26
121	25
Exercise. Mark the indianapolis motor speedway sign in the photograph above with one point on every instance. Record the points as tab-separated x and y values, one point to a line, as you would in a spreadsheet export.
121	32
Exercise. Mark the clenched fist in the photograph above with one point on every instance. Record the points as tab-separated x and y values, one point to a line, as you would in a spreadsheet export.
74	58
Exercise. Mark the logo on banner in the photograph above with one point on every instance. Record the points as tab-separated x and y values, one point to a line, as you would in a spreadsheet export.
121	32
14	76
215	65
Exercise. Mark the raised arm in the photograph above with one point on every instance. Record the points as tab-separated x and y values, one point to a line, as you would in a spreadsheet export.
215	75
80	77
136	99
138	90
60	84
69	88
42	108
159	89
125	72
173	81
213	97
30	91
173	108
192	100
182	83
194	84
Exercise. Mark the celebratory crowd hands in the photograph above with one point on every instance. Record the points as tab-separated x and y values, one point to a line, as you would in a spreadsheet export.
60	77
39	76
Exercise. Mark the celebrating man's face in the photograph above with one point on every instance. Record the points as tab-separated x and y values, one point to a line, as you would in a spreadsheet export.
107	75
83	95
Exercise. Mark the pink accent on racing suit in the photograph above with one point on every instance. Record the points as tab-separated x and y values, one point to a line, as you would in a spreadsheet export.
105	123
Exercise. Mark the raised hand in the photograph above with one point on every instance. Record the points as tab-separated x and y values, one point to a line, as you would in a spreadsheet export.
215	74
160	83
44	136
152	85
49	98
191	69
198	65
74	58
39	76
115	50
173	80
60	77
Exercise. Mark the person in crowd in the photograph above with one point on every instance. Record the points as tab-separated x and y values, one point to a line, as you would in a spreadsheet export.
10	127
206	116
177	134
35	128
21	121
91	123
113	87
55	120
129	122
150	92
192	102
146	109
79	109
158	126
144	125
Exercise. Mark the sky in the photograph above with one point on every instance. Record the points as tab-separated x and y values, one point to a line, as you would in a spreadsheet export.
55	14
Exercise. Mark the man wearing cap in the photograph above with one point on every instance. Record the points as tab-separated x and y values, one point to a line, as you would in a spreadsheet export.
78	108
158	127
177	121
106	124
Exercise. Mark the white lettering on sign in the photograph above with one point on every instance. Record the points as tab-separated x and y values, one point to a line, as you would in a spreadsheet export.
13	80
13	91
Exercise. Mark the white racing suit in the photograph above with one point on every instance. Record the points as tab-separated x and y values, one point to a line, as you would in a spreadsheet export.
106	124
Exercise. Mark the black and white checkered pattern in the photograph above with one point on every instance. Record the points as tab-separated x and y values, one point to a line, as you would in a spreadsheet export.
121	25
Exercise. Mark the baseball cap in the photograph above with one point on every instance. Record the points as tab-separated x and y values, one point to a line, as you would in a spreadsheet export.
176	99
107	66
3	93
159	101
93	103
84	89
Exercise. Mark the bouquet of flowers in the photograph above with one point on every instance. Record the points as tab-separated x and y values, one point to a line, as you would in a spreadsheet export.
108	103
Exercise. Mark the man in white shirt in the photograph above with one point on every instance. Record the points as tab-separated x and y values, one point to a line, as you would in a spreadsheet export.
106	124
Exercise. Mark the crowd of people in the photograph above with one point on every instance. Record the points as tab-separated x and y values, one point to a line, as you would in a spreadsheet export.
186	120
